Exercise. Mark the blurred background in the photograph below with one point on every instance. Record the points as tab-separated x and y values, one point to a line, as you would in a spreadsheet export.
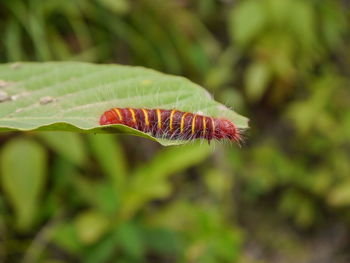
283	197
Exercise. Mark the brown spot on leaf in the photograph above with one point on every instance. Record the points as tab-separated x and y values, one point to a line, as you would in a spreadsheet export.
16	65
4	96
19	95
4	84
46	100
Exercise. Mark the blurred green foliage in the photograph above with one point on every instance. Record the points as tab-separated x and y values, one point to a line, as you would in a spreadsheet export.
101	198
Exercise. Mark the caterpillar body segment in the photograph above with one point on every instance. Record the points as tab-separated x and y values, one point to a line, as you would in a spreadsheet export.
173	124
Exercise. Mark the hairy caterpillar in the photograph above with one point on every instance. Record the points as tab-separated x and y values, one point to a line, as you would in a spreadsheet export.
173	124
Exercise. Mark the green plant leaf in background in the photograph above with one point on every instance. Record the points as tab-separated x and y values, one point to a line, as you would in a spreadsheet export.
69	145
256	80
70	96
109	154
90	225
23	172
150	181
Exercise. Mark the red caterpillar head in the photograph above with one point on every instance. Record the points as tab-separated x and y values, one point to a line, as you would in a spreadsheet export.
109	117
225	129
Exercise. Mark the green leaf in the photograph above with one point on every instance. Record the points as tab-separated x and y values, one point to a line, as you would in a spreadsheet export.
101	251
69	145
256	80
70	96
340	194
149	181
104	198
247	21
117	6
90	226
66	237
162	240
109	154
129	237
23	172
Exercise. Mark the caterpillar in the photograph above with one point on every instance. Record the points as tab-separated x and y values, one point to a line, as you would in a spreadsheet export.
173	124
